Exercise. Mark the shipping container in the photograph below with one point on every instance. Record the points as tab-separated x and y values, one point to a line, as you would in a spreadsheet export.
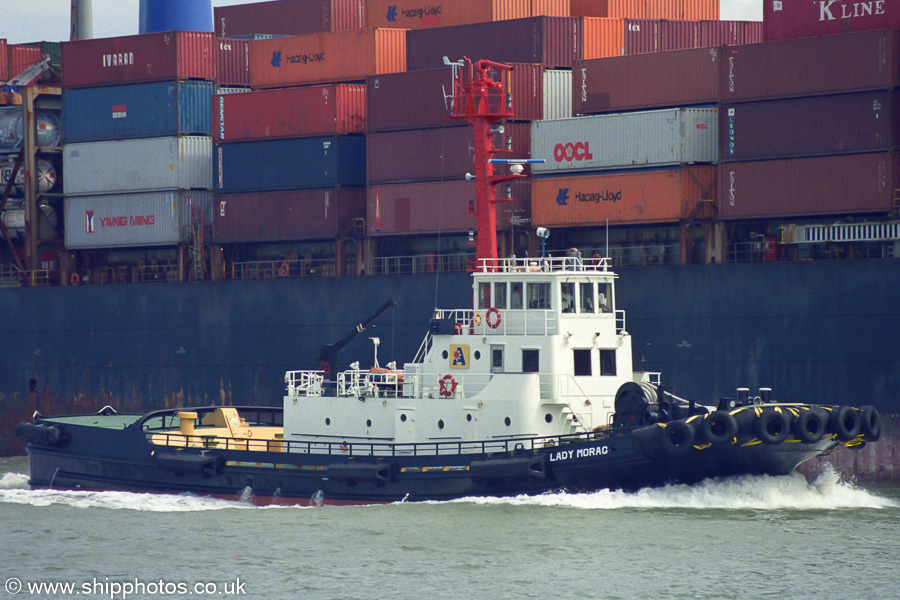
416	99
233	62
621	198
795	127
333	109
557	94
645	139
642	81
326	57
293	164
435	153
137	58
615	37
125	166
289	17
812	66
554	42
137	110
691	10
819	186
138	219
786	19
286	215
435	207
447	13
4	61
22	56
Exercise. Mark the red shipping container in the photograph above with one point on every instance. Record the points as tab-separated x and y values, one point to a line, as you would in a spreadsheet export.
289	17
786	19
688	10
435	207
795	187
331	109
435	153
22	56
4	61
811	66
730	33
388	13
551	41
326	57
233	62
658	196
809	126
287	215
643	81
416	99
137	58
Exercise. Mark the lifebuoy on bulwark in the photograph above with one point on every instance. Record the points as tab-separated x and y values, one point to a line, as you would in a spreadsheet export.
447	385
493	323
75	279
283	270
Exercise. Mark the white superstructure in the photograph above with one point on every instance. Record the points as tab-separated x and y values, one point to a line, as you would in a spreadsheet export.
542	353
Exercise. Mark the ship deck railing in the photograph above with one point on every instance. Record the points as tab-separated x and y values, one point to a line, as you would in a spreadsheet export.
549	264
411	383
367	448
511	321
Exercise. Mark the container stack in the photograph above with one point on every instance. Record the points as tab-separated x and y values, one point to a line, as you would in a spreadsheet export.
138	149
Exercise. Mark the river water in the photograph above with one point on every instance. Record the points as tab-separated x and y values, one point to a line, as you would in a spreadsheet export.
749	537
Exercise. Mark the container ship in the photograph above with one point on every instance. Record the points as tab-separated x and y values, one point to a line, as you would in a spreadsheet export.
185	228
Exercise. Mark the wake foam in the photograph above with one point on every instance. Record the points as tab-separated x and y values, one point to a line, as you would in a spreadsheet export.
791	492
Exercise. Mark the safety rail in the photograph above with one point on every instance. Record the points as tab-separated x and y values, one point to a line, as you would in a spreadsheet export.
421	263
344	448
549	264
11	276
304	383
503	322
275	269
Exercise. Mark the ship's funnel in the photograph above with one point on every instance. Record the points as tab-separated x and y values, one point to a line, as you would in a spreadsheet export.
176	15
82	27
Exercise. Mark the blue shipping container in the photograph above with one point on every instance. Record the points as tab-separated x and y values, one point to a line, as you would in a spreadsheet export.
140	110
293	164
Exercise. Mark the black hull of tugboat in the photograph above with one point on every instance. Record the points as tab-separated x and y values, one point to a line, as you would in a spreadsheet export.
104	459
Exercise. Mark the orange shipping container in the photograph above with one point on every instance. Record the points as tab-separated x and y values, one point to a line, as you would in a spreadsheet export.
675	10
603	37
659	196
390	13
326	57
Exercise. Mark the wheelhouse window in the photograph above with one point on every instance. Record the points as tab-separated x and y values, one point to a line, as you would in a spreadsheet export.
515	295
484	295
608	362
566	297
538	295
582	362
586	297
496	359
604	297
500	295
531	361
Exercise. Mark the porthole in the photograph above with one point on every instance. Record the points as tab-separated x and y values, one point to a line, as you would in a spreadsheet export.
440	424
445	354
478	355
548	417
327	421
403	418
469	417
508	421
369	422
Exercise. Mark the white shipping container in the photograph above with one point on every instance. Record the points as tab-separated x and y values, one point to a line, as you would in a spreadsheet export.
643	139
141	219
557	94
139	165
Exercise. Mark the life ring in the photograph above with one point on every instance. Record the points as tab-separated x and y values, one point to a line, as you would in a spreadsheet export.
283	270
249	433
487	318
447	385
75	279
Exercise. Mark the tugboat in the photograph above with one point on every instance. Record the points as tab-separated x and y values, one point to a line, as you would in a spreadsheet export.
528	391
